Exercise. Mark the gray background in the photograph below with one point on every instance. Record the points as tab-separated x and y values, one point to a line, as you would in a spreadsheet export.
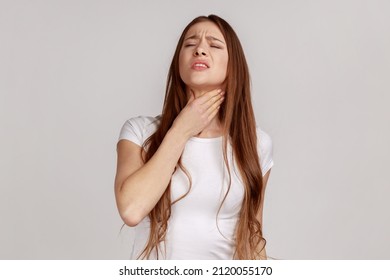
72	72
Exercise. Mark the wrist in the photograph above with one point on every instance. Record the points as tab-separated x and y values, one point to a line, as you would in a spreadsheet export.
178	136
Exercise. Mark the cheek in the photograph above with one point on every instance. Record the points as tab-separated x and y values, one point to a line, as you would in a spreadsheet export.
184	55
181	64
223	63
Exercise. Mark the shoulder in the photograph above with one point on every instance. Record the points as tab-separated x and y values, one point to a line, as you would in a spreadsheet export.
263	138
265	149
137	129
143	123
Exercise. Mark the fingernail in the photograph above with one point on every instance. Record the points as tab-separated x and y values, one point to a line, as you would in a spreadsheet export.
219	90
222	92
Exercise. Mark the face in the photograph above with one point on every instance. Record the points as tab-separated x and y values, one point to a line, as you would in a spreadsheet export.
203	57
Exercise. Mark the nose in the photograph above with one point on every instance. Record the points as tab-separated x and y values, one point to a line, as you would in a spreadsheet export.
199	52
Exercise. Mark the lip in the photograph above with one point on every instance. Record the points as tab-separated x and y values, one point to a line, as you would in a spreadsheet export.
197	67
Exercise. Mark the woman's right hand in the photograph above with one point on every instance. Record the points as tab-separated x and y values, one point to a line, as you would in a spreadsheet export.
198	112
139	185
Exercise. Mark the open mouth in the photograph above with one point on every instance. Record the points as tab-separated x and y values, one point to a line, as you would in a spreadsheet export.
199	65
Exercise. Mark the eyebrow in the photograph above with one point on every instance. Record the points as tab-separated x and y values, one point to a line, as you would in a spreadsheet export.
210	38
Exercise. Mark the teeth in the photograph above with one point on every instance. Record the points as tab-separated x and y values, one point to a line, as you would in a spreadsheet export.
201	65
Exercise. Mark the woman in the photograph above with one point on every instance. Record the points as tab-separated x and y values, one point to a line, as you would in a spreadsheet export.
191	179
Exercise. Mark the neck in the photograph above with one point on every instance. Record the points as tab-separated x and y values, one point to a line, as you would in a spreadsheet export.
197	92
214	128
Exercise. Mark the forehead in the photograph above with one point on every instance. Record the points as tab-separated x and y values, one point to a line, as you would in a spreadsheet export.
205	28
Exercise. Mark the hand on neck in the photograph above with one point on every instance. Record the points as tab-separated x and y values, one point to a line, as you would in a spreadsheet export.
214	128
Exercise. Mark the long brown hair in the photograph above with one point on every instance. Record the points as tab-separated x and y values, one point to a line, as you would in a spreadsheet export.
239	127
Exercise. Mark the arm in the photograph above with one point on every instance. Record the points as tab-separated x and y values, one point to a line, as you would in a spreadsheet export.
139	186
263	253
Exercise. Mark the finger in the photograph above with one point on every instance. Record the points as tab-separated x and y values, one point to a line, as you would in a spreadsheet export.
211	101
208	95
215	105
213	114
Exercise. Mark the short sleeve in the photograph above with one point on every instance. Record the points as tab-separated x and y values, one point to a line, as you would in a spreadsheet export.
132	130
265	149
138	129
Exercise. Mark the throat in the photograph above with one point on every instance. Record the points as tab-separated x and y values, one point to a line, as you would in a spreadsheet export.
210	133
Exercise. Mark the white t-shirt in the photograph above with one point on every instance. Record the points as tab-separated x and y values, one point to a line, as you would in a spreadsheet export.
192	228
